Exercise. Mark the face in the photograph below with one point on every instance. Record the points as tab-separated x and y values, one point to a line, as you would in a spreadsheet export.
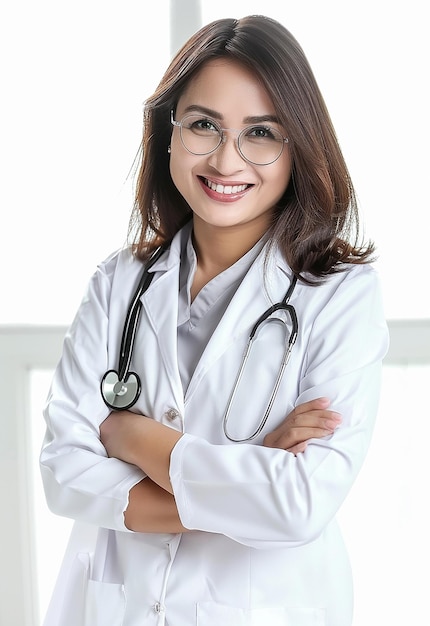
224	190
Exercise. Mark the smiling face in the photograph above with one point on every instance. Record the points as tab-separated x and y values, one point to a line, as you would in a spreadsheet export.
224	190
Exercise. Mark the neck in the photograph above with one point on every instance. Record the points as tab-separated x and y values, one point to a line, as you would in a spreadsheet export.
219	248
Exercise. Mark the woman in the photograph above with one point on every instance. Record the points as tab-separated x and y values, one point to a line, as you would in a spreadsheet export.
197	505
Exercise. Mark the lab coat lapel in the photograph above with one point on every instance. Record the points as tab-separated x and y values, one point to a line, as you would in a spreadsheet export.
253	296
160	304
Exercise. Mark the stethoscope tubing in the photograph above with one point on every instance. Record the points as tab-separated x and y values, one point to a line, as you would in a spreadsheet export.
126	396
110	397
283	306
133	315
130	329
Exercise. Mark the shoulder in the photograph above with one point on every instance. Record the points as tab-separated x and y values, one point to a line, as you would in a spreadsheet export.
350	281
353	283
356	289
121	267
347	303
347	311
350	278
121	260
113	277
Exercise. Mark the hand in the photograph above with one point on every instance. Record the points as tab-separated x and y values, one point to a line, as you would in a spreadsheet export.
308	420
142	441
151	509
120	432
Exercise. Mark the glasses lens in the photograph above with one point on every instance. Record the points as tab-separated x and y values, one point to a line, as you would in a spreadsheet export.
261	145
200	135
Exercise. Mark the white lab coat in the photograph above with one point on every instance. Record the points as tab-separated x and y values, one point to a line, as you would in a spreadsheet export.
265	549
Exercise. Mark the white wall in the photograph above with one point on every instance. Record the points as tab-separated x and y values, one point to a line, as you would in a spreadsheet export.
74	77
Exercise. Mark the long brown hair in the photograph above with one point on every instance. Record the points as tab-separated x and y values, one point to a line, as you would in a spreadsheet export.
315	224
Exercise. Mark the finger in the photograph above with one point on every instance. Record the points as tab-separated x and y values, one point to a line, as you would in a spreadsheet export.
304	434
319	419
300	447
317	403
313	418
293	437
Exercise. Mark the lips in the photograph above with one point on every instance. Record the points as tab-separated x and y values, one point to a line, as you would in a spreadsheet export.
224	189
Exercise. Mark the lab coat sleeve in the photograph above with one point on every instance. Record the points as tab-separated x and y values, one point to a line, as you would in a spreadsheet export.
265	497
80	482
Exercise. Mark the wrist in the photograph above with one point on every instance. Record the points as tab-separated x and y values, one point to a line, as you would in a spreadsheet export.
152	449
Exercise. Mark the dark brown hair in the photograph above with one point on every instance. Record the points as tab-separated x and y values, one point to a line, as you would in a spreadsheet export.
315	224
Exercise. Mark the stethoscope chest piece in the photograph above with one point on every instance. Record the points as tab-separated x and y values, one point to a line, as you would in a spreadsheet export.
120	394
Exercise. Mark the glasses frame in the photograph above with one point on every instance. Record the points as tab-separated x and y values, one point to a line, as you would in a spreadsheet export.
223	137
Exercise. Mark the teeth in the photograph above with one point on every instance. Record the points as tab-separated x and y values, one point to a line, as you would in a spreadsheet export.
227	189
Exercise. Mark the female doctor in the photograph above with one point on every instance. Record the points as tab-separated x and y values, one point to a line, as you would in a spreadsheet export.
210	497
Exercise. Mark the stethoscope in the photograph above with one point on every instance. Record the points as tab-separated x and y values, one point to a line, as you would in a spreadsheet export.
121	388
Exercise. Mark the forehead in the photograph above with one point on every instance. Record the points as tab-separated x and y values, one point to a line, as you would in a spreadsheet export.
225	84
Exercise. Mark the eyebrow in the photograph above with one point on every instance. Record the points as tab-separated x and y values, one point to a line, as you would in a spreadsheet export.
250	119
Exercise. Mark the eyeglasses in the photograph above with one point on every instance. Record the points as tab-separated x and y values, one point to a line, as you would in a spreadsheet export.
258	144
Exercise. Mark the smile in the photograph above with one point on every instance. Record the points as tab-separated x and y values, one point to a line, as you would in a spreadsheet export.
224	189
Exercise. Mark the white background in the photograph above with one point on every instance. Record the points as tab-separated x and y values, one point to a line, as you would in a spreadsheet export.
74	78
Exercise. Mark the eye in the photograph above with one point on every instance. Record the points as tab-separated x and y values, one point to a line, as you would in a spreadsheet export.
263	134
201	125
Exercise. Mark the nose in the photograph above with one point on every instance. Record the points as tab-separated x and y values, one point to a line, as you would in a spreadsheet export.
227	159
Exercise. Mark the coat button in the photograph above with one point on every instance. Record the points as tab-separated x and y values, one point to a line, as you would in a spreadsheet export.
171	414
158	607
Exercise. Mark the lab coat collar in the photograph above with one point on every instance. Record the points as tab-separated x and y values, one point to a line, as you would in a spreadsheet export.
172	257
265	283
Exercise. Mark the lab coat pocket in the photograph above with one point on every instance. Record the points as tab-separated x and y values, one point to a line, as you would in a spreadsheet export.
105	604
105	596
213	614
67	605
